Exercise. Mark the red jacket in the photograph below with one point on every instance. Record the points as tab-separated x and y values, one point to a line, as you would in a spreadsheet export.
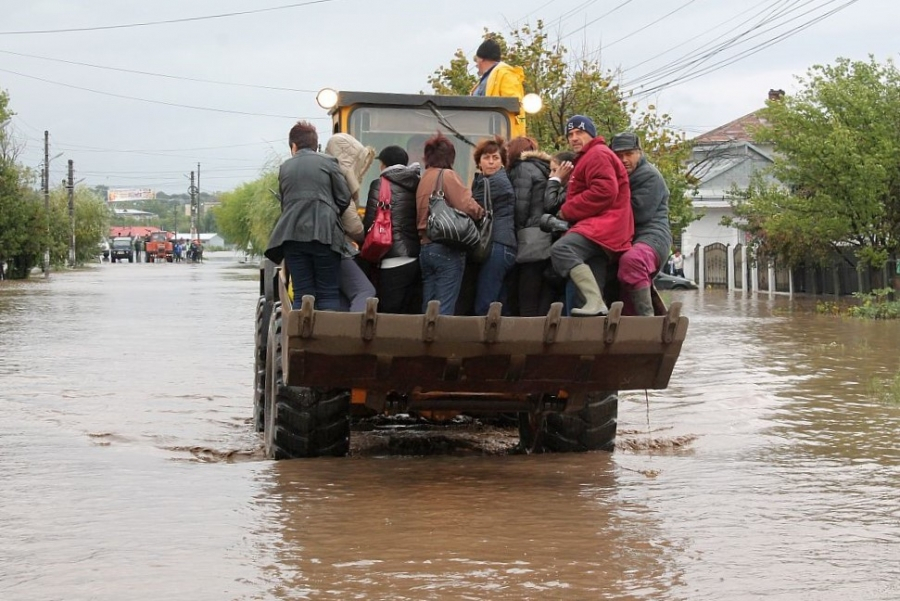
598	201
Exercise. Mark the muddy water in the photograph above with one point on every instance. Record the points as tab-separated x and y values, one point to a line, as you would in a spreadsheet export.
129	468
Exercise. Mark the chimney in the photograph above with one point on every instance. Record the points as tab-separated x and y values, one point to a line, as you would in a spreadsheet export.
776	94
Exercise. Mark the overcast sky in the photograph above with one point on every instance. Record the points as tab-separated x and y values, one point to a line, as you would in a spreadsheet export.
127	129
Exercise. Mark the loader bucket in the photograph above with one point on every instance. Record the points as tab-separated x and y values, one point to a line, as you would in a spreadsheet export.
492	354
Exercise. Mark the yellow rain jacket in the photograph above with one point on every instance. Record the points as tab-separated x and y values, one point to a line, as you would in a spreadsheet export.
506	80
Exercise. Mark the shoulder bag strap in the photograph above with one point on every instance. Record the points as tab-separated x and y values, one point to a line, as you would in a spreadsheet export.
487	195
384	193
439	184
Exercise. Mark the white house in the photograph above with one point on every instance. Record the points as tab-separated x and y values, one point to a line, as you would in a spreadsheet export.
723	159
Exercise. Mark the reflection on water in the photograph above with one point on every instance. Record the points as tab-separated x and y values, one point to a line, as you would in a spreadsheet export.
129	468
511	527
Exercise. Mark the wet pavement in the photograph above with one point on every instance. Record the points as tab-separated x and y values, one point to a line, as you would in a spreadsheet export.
129	468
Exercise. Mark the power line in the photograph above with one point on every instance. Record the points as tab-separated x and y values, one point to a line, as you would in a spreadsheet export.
650	24
702	54
162	102
591	22
696	37
150	73
168	21
748	52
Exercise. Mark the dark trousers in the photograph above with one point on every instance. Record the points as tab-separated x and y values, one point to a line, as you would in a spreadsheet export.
400	289
315	270
535	292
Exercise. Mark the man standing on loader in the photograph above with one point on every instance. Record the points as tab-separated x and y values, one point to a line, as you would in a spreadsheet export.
497	78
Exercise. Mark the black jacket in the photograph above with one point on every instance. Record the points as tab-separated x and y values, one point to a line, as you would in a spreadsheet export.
313	194
503	203
529	179
404	181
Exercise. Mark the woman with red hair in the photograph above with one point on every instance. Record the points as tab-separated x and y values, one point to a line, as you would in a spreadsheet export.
442	266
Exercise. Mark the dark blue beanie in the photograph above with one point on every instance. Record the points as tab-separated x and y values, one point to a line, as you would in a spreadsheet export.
583	123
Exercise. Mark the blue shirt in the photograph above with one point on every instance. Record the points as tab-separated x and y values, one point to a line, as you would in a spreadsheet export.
482	85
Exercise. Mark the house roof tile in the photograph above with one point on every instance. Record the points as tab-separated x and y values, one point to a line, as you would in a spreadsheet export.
738	130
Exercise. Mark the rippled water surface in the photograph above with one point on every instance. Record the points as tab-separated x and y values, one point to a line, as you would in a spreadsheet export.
129	468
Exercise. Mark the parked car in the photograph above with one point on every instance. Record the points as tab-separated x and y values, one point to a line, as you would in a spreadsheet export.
122	248
664	281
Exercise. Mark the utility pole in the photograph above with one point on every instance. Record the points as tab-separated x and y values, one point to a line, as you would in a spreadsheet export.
45	186
70	186
193	192
199	204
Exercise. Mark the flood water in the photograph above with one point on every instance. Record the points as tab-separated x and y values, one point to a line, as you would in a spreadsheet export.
129	468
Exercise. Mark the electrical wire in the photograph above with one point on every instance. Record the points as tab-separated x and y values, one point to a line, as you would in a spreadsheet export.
161	102
702	54
591	22
648	25
698	36
150	73
167	21
748	52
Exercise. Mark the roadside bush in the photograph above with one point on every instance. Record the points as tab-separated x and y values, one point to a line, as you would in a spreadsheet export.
876	305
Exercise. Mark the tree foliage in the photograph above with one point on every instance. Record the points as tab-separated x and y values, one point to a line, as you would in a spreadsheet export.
20	211
247	215
837	145
570	86
25	226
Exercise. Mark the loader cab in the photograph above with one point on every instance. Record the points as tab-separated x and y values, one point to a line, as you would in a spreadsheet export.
408	120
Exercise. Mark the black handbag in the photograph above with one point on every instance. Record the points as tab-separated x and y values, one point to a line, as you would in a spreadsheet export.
482	250
448	225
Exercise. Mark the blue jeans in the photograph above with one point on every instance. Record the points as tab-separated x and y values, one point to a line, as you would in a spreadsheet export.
316	270
491	285
442	272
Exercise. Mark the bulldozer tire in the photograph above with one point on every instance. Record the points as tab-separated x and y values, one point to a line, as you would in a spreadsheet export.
301	421
263	313
592	428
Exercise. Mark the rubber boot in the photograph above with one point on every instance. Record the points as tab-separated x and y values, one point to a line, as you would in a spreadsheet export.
583	278
641	302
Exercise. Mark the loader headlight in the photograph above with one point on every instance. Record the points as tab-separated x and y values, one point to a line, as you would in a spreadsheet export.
532	103
327	98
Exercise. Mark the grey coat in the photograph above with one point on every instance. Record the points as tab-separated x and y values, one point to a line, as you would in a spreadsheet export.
313	193
650	204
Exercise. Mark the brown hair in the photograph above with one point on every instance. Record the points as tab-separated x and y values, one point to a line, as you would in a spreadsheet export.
439	152
517	146
490	145
304	135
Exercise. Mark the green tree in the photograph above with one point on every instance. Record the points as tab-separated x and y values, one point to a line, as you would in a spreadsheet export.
837	145
92	219
581	86
247	214
22	222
